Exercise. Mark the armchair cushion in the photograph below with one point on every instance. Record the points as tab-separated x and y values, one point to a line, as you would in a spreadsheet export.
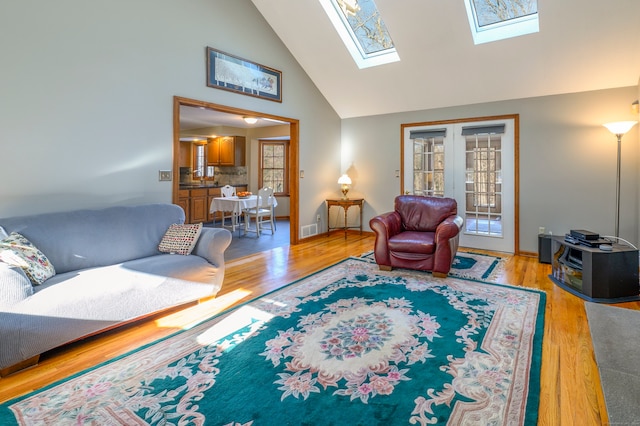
413	242
424	214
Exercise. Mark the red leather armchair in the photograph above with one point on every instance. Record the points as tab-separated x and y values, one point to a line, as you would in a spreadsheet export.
421	233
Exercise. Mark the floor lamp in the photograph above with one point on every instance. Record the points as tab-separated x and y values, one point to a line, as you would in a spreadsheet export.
619	128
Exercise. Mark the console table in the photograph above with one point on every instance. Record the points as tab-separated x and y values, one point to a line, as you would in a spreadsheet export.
593	274
345	203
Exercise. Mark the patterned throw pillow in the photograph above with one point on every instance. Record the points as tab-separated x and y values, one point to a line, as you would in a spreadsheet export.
180	239
16	250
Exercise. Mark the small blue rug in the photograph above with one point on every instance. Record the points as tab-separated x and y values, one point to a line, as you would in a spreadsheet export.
475	266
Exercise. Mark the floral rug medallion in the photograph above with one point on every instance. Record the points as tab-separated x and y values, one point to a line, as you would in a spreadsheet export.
347	345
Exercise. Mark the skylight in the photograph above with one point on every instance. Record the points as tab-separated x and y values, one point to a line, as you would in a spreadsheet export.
362	30
493	20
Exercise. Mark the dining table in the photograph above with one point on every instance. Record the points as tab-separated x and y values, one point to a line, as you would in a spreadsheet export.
236	205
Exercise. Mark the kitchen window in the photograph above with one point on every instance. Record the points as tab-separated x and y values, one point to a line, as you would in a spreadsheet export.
274	166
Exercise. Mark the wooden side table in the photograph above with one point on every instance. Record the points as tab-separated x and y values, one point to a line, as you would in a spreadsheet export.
345	203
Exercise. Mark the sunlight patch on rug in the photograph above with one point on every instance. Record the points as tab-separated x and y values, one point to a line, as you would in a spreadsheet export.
347	345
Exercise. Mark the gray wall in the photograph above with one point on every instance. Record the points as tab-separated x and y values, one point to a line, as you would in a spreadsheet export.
567	160
86	95
86	98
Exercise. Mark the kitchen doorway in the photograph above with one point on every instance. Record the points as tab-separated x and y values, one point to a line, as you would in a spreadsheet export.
293	124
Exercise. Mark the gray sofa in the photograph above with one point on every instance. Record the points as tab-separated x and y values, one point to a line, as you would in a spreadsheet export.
108	271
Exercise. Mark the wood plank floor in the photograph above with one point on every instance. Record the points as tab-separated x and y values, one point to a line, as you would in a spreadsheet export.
570	385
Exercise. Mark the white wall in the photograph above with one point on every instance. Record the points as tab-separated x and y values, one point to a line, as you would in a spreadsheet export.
86	97
567	160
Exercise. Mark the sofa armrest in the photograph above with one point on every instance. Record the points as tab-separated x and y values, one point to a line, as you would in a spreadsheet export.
212	244
14	285
385	226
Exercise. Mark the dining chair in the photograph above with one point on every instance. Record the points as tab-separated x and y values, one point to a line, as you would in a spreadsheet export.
229	191
262	212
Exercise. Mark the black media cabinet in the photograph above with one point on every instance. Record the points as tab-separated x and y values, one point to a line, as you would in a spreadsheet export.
593	274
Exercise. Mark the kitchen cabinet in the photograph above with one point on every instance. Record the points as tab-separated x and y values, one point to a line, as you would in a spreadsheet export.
183	201
186	154
226	151
199	210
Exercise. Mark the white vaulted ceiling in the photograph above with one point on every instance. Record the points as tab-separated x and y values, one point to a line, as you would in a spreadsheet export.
582	45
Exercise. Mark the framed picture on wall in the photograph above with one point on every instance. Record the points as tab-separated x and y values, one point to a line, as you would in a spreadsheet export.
229	72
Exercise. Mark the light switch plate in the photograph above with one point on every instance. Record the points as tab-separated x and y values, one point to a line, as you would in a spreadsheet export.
165	175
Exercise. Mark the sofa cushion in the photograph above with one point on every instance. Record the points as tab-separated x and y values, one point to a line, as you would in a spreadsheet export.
180	238
75	304
83	239
14	284
16	250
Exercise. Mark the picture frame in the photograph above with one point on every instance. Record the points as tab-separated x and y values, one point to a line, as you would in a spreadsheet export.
235	74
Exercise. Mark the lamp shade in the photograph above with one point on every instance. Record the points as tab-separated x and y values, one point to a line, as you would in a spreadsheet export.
620	127
344	180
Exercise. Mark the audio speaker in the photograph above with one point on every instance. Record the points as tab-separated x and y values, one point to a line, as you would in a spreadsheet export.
544	248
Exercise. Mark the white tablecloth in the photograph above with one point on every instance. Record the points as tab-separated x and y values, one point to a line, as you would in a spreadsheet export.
236	205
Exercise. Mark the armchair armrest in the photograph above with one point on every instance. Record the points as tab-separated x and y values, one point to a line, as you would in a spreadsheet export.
448	229
447	237
385	226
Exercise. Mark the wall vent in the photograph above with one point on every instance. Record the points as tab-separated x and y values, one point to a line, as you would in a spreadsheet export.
308	230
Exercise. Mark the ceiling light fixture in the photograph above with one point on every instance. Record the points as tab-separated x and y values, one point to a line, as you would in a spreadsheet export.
250	120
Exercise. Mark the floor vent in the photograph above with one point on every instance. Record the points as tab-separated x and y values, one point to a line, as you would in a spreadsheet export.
309	230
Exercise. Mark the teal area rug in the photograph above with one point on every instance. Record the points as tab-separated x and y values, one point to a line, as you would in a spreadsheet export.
348	345
475	266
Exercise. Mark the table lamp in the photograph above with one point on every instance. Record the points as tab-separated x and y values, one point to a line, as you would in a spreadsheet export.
344	181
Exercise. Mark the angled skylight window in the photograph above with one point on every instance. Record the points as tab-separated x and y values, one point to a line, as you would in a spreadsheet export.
362	30
493	20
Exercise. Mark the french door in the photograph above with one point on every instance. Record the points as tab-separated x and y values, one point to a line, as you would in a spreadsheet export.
473	162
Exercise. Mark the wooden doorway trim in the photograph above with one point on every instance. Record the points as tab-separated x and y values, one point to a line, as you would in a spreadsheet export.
294	163
516	159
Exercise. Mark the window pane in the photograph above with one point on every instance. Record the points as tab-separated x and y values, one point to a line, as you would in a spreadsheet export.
492	11
362	30
483	202
367	24
428	166
274	165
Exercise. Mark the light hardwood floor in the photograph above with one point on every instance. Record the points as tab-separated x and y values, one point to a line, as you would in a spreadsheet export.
570	385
